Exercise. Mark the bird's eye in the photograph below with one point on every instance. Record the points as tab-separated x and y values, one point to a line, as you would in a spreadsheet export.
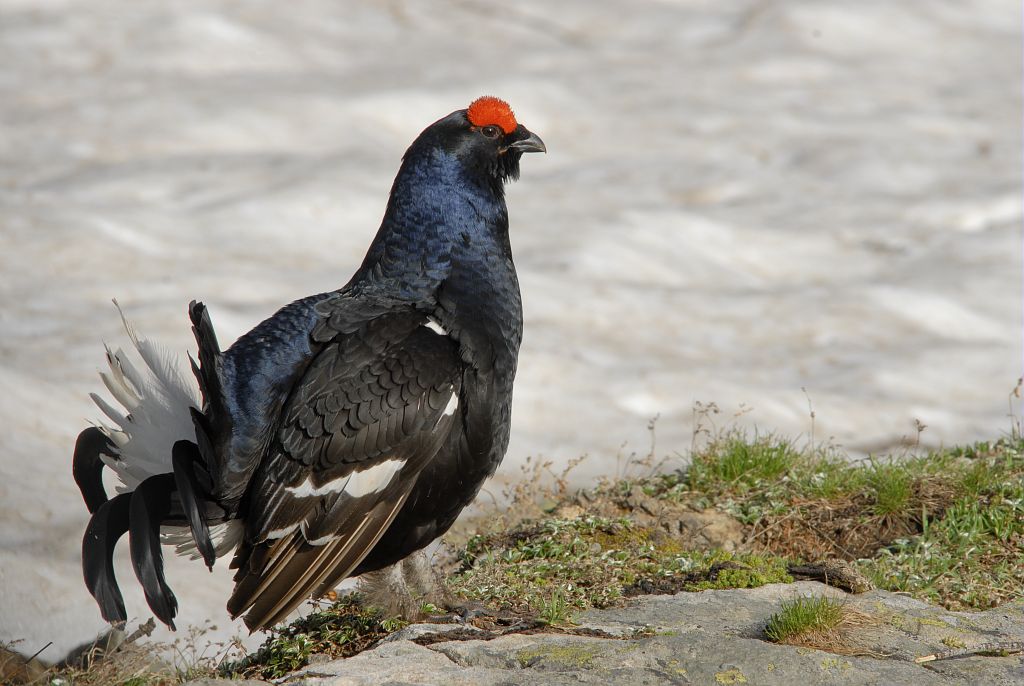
491	131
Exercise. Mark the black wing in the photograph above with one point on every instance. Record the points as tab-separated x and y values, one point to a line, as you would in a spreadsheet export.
374	406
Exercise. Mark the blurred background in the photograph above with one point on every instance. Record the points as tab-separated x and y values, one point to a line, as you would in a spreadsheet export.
763	205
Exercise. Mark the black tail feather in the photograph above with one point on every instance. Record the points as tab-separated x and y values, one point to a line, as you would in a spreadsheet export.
208	371
204	444
151	505
87	466
206	337
106	526
213	424
185	458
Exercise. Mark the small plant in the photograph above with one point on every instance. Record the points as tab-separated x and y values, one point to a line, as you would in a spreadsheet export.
892	486
820	623
802	616
554	609
734	463
557	567
340	630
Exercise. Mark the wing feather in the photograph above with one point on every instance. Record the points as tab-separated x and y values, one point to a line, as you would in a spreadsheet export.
366	417
307	568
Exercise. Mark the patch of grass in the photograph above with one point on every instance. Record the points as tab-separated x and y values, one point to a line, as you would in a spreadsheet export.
733	463
131	661
134	665
557	567
803	615
891	485
340	630
946	526
970	559
971	556
820	623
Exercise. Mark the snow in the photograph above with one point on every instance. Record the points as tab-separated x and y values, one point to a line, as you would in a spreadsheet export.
741	201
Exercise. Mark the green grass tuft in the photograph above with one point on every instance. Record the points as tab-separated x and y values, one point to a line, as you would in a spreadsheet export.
735	464
892	487
802	616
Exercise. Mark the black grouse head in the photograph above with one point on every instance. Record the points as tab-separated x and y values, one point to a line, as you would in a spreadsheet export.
485	138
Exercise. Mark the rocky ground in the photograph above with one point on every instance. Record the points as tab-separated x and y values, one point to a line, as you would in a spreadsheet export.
698	576
712	637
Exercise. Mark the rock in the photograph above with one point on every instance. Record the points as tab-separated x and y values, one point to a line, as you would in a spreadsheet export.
419	631
708	530
834	572
713	637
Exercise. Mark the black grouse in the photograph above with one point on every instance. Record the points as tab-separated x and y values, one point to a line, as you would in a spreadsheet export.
346	431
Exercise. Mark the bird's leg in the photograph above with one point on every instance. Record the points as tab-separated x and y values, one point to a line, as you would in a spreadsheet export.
405	587
425	581
429	586
387	590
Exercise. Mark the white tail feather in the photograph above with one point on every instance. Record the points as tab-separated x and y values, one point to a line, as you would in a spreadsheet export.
124	392
119	418
156	398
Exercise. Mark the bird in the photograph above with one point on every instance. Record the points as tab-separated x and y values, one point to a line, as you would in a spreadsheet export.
345	432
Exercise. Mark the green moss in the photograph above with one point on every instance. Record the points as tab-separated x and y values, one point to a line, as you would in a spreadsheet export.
834	663
953	642
572	655
928	621
730	676
750	571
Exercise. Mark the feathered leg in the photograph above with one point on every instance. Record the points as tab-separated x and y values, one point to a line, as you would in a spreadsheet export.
426	581
106	526
185	458
87	466
150	505
403	588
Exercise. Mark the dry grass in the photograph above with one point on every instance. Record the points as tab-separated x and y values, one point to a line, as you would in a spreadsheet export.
848	526
132	664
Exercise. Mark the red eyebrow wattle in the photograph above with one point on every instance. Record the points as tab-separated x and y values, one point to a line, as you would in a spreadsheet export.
491	111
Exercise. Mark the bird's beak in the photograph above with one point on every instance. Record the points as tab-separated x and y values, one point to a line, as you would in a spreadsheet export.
532	143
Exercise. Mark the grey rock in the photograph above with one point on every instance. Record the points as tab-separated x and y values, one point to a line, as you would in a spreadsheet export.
742	611
414	631
228	682
714	637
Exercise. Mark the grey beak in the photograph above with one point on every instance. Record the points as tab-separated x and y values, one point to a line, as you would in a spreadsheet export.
531	144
